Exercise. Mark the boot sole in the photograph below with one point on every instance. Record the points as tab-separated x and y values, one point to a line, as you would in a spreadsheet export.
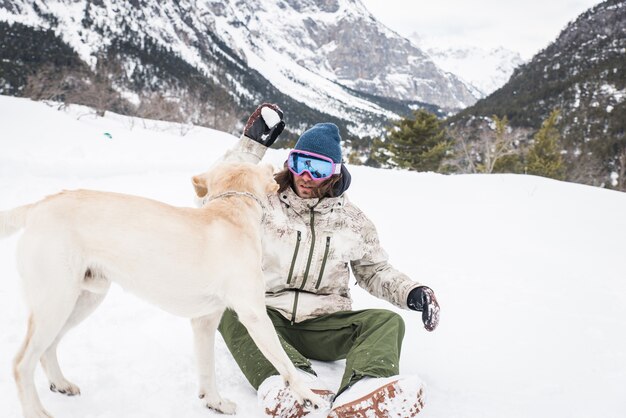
387	401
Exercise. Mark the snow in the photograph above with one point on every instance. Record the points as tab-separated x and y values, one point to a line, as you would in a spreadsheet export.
484	69
529	273
270	116
288	55
611	90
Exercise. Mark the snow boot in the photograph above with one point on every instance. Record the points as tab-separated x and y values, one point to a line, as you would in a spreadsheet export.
278	401
396	396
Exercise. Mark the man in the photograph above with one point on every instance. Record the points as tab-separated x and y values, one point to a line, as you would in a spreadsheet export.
312	236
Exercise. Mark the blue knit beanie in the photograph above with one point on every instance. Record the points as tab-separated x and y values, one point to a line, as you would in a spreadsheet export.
323	139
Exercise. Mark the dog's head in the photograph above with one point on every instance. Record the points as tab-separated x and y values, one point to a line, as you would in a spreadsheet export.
257	179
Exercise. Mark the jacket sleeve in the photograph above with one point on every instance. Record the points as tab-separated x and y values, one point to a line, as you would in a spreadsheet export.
374	273
244	150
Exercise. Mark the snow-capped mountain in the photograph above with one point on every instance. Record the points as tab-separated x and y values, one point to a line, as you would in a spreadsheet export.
332	56
324	42
485	70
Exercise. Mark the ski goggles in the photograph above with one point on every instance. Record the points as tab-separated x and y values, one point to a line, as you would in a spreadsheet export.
318	166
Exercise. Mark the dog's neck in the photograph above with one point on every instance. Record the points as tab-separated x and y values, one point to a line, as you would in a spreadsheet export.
208	199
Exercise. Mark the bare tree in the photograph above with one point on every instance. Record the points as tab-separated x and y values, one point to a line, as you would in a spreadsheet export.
482	145
495	144
159	107
215	109
77	85
584	167
98	91
51	83
464	156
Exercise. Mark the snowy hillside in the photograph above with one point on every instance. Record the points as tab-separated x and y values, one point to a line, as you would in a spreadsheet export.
529	273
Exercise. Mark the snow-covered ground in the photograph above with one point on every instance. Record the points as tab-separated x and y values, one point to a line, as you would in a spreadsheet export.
529	272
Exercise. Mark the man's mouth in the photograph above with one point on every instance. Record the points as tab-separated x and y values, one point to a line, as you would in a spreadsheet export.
306	187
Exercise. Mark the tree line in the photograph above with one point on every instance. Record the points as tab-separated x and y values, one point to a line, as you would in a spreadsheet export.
568	145
424	142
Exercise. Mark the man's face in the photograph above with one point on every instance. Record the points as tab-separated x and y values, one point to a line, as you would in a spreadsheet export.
306	187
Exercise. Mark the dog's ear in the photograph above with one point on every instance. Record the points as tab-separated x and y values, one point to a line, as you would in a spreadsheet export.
200	184
269	169
272	187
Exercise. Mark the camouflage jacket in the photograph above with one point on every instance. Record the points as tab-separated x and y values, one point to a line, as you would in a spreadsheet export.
309	246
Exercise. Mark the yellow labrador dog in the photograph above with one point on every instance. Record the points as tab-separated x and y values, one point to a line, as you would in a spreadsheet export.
190	262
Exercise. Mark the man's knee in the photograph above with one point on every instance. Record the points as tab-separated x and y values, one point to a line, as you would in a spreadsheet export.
387	318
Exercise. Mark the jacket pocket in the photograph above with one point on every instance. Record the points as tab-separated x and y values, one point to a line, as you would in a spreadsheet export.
326	250
295	255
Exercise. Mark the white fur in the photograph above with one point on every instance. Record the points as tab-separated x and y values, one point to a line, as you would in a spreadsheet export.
190	262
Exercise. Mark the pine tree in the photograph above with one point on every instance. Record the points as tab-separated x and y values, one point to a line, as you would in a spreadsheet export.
379	156
544	157
417	144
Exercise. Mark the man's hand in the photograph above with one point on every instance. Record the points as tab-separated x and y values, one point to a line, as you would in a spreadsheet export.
423	299
265	124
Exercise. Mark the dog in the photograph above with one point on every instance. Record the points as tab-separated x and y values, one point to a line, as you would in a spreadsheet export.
191	262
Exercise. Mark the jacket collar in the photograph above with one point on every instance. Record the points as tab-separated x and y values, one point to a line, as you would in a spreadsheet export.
300	205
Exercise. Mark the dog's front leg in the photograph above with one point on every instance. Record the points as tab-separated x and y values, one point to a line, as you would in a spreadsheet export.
204	329
254	317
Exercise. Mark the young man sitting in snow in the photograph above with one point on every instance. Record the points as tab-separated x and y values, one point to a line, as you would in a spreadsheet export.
312	234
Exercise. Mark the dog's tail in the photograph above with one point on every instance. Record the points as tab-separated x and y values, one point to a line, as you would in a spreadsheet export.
13	220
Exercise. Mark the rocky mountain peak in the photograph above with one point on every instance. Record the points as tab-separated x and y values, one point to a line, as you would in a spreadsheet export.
331	56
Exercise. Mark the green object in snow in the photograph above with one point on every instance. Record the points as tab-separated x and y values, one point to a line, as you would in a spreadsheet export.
369	340
108	135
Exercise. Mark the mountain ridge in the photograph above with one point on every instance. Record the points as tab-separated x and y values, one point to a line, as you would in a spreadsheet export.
316	55
582	74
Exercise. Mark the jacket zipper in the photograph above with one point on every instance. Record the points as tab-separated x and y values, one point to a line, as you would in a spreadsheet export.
306	271
295	255
319	279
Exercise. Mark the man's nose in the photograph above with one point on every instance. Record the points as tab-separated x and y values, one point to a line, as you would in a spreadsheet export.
307	176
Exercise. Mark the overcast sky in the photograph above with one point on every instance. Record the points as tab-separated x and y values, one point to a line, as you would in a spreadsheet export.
525	26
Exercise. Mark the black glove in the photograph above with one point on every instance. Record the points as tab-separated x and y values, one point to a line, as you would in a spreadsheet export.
258	129
423	299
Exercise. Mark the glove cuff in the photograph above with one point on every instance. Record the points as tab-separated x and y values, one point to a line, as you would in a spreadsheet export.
250	146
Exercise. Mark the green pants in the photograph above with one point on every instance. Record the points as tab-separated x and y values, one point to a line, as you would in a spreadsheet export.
369	340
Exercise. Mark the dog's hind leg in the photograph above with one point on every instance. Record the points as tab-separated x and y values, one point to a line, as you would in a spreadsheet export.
46	320
87	303
204	329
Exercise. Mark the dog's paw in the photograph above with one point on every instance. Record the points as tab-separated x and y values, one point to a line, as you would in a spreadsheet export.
65	388
315	399
219	404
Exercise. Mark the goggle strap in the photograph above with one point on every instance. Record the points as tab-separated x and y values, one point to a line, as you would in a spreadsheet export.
337	168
